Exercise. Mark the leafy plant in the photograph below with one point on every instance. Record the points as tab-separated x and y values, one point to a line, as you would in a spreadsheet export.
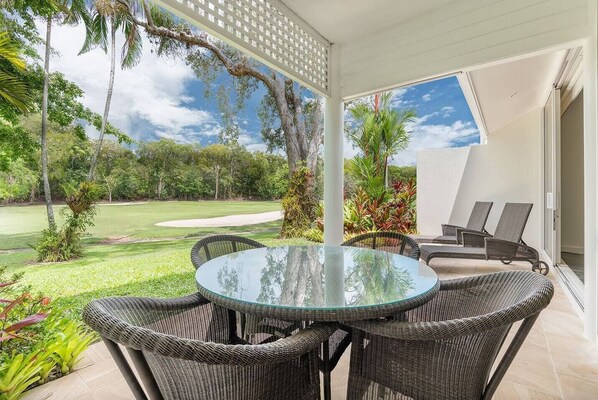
68	344
299	204
65	244
17	374
362	213
35	343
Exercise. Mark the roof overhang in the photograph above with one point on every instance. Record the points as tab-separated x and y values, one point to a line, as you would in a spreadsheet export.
268	31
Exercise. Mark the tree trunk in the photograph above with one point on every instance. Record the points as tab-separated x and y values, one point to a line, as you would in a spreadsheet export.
44	138
217	175
160	183
94	160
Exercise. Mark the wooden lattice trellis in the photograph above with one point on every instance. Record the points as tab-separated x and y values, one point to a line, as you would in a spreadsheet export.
265	29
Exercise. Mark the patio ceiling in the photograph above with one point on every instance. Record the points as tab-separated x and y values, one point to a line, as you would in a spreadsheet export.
510	89
342	21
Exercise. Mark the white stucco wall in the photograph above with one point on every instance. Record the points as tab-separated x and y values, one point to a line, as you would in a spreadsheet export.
439	175
572	190
507	169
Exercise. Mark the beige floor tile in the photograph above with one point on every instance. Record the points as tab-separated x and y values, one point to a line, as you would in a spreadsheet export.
117	390
508	390
578	388
340	377
69	387
100	374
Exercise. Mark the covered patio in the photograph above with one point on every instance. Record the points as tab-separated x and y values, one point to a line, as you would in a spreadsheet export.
556	362
346	49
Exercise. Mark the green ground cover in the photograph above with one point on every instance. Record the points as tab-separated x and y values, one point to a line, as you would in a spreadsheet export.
154	267
20	225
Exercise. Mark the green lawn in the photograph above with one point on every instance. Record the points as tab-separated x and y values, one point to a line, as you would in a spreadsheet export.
20	225
160	267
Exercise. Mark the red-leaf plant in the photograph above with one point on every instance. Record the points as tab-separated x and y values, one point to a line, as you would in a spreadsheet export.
22	312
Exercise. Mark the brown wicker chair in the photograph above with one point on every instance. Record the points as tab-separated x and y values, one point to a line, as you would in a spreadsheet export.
257	329
446	348
183	349
392	242
505	245
476	223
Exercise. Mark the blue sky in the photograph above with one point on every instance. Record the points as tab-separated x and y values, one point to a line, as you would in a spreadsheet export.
161	98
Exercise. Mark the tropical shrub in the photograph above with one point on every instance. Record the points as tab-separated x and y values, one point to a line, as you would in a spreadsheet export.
393	212
37	343
299	204
65	243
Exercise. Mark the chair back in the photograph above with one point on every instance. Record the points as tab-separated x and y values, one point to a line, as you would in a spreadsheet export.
512	221
392	242
219	245
446	348
181	350
479	215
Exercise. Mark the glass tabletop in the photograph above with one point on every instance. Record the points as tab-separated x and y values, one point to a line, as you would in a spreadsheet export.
315	278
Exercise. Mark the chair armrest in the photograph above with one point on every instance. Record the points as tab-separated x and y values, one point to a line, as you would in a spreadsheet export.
461	231
450	230
507	250
473	239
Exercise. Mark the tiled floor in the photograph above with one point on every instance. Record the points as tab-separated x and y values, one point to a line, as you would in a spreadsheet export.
555	362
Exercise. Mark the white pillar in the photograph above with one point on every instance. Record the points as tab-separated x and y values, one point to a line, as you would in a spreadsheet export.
590	100
333	155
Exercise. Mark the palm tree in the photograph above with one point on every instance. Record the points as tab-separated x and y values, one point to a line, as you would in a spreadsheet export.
12	89
379	132
104	14
66	12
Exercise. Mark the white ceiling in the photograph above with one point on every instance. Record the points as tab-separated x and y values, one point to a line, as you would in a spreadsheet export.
511	89
341	21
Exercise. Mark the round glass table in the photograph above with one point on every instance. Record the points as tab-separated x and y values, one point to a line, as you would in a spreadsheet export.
317	283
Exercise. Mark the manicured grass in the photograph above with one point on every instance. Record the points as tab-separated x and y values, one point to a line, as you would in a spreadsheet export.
154	265
160	269
20	225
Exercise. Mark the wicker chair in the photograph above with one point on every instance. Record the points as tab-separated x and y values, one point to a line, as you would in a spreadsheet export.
182	350
392	242
505	245
446	348
476	223
256	328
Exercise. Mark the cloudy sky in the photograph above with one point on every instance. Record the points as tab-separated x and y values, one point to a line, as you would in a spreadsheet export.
161	98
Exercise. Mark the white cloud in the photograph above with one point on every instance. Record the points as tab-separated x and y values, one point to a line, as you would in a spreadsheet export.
151	97
426	137
427	97
447	111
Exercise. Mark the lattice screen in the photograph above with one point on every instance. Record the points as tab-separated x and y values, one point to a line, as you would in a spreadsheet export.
267	31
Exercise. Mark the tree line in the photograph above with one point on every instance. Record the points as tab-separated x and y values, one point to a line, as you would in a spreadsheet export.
158	170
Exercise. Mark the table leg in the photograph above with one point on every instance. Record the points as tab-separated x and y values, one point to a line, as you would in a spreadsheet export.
232	323
326	370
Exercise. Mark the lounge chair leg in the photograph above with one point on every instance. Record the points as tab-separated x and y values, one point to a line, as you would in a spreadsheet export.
541	267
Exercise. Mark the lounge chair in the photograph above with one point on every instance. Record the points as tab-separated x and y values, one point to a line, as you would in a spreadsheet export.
446	348
506	245
476	223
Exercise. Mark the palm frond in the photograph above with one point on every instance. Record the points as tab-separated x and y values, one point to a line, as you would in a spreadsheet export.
10	52
133	47
14	91
96	34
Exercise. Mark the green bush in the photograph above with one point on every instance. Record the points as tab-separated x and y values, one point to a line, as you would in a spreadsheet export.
299	204
65	243
37	343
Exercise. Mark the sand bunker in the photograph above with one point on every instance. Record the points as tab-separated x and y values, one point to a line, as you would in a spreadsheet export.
229	220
